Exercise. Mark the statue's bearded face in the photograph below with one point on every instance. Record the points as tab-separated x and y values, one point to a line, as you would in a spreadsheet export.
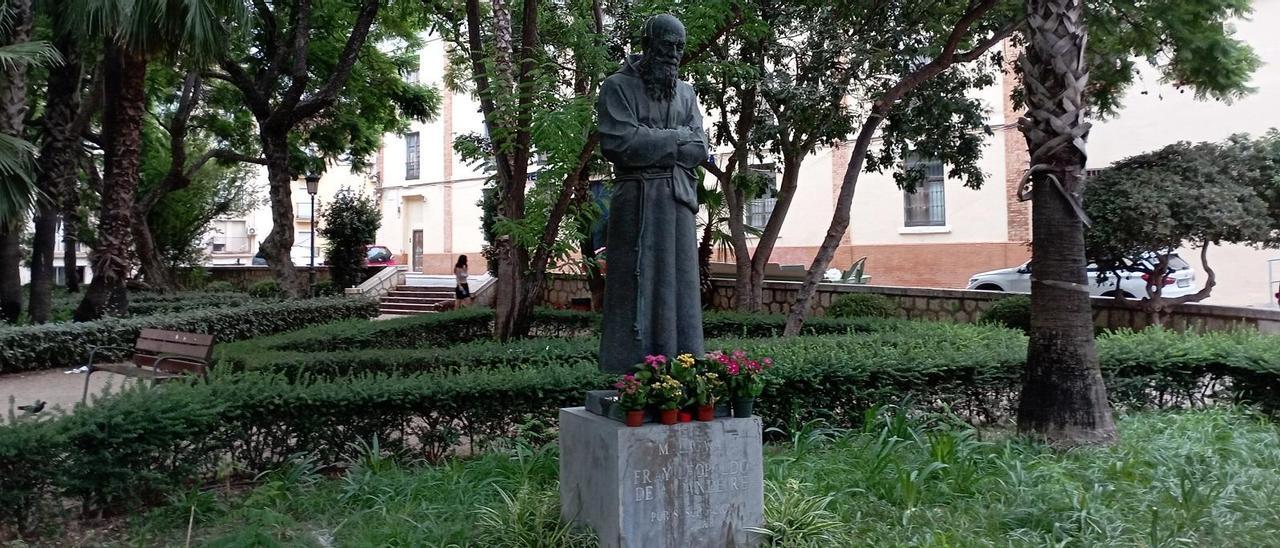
663	49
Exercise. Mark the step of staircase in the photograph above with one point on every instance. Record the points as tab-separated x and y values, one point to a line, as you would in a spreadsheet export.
408	300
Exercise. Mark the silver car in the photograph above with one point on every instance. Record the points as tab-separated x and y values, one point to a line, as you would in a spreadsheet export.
1181	280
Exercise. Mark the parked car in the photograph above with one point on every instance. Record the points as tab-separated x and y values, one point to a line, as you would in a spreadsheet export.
1181	280
379	255
259	260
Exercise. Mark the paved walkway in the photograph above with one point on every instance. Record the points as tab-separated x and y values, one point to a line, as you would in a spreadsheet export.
56	388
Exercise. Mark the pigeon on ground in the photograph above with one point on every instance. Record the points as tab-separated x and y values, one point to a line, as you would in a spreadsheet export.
36	407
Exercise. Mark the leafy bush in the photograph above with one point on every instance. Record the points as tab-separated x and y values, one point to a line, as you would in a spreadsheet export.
130	449
1013	312
191	301
67	345
349	224
862	305
220	286
265	288
325	288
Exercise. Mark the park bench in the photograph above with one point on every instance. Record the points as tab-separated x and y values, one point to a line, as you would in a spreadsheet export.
158	355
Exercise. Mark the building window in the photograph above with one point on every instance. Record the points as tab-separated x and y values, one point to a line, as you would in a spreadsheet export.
412	156
927	205
303	210
303	240
230	237
759	209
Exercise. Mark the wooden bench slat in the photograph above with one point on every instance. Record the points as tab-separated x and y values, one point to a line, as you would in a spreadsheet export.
170	347
199	339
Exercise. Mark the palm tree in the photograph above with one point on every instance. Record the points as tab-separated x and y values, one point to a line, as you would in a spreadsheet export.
17	191
17	173
133	33
1063	397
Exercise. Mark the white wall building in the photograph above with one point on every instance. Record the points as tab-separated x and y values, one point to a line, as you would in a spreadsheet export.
938	237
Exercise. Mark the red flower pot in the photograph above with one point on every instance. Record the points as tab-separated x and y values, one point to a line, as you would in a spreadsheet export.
635	417
706	413
686	415
668	416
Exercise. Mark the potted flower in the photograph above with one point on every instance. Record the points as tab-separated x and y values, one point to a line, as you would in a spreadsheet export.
707	387
684	369
667	393
633	396
744	379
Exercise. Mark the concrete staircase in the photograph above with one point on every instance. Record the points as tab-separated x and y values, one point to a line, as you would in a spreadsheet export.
408	300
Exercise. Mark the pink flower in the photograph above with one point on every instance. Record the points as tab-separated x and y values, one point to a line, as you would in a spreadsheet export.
655	361
768	362
733	368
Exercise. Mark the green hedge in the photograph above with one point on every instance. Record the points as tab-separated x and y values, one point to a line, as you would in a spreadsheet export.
475	324
191	301
67	345
130	449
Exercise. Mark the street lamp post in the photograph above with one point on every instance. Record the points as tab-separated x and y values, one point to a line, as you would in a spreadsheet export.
313	184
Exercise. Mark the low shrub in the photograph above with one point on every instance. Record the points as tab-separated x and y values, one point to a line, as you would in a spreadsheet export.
265	288
325	288
476	324
67	345
128	450
220	286
862	305
1013	312
191	301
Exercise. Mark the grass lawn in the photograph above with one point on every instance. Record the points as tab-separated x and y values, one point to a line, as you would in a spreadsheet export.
1193	478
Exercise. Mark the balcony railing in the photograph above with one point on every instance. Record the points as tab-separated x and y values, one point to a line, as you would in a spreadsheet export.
229	244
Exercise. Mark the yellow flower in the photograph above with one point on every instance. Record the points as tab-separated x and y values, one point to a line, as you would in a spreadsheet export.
686	360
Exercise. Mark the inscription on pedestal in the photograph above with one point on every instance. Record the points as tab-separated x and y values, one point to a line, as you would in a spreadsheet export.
687	485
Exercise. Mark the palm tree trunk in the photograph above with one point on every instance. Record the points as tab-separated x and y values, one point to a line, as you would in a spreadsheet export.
277	245
1063	399
124	79
58	165
13	111
10	277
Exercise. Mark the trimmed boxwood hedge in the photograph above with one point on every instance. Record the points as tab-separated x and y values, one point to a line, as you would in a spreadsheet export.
46	346
476	324
133	448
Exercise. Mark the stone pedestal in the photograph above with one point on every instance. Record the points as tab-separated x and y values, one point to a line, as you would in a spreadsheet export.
689	485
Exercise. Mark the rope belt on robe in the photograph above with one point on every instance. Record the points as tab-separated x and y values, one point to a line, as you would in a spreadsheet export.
686	197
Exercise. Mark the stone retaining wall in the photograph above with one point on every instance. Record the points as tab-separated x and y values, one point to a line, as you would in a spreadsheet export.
959	305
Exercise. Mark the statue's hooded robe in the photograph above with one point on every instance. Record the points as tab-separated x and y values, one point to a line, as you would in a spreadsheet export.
652	302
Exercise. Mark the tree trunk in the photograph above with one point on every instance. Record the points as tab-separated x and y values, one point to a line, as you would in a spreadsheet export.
277	245
705	250
124	80
773	227
839	222
1063	399
57	168
154	271
509	316
13	112
10	277
71	222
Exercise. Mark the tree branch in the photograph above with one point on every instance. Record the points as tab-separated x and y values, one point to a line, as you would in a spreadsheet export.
235	75
346	62
298	75
729	24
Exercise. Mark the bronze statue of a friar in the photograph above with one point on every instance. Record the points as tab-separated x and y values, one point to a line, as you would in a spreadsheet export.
651	130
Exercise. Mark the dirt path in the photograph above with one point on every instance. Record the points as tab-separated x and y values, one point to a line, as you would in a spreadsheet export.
56	388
